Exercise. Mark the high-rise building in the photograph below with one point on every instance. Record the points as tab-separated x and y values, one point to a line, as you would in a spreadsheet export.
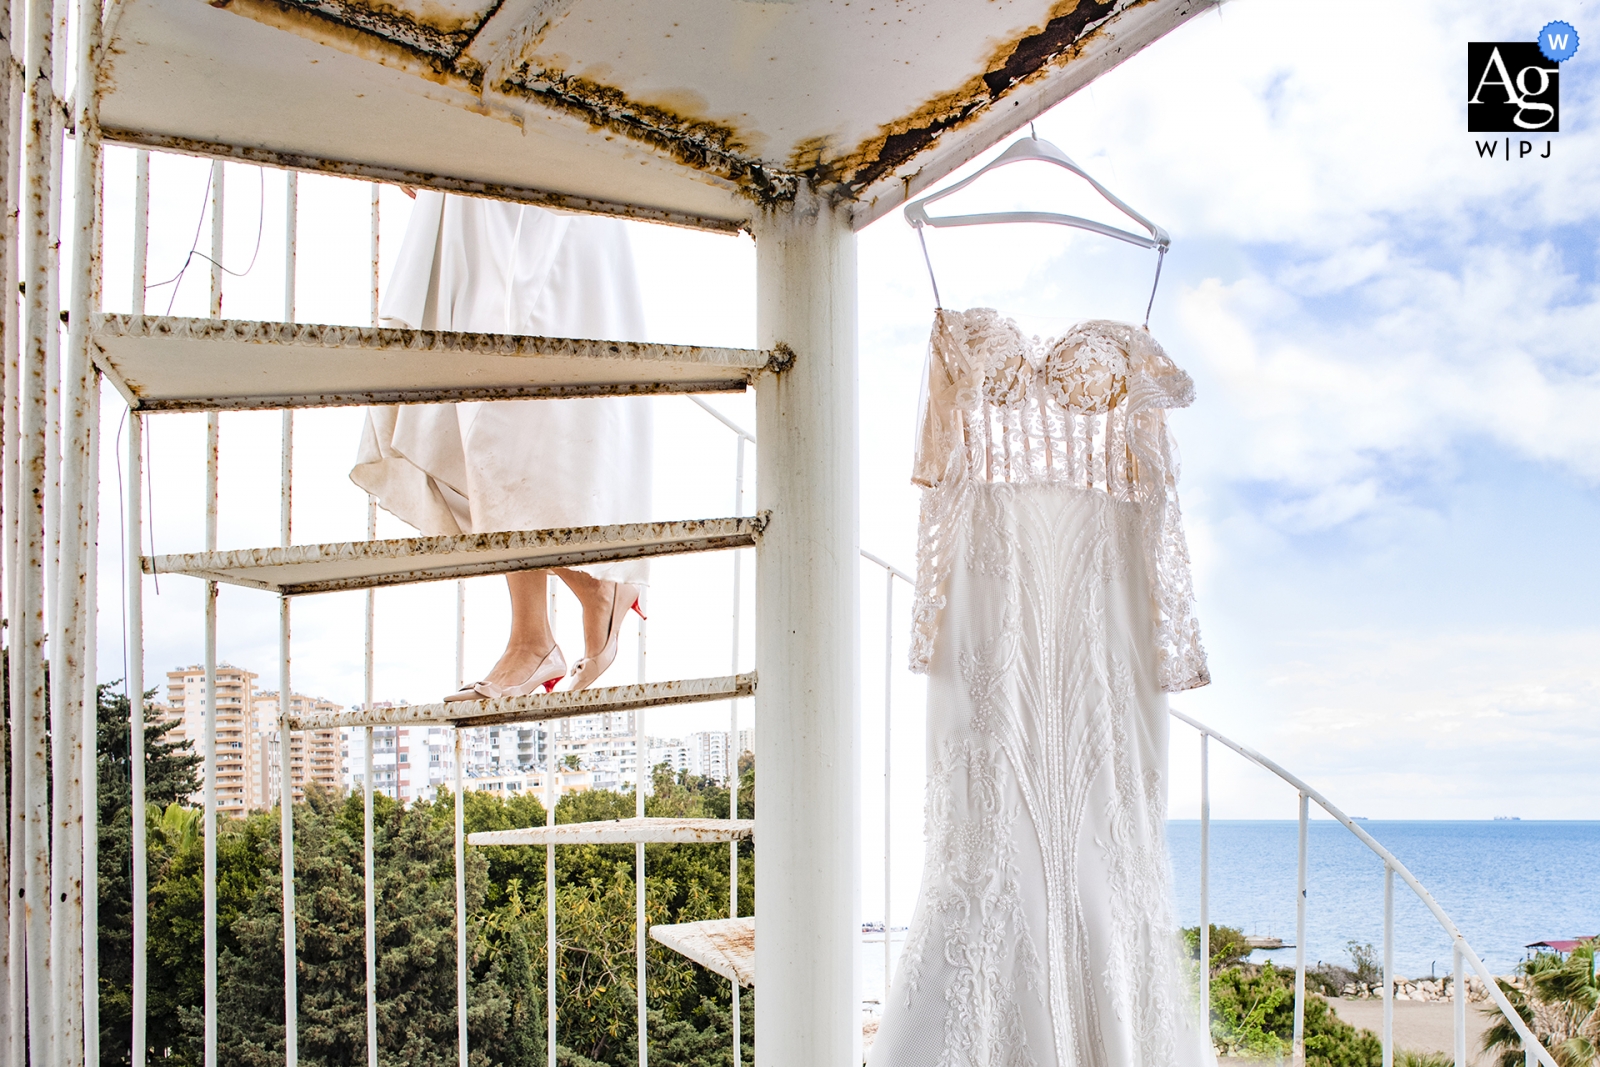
314	755
236	750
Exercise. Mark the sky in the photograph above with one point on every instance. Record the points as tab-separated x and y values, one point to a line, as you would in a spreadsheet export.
1390	472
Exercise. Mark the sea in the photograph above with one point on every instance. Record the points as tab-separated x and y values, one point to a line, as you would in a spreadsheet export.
1505	884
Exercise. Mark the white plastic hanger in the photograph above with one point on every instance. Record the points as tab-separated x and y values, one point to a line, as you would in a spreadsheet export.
1026	148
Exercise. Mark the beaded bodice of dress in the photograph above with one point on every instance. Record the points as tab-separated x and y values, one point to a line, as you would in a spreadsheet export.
1086	409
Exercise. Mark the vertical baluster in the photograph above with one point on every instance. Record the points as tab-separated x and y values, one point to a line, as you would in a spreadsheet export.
135	687
368	863
141	230
888	769
373	278
1300	942
639	926
733	745
1205	890
1388	965
291	978
90	891
461	633
461	902
547	728
1459	989
135	631
291	242
209	744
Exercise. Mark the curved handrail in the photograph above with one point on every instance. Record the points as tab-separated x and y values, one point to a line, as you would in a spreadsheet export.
1530	1043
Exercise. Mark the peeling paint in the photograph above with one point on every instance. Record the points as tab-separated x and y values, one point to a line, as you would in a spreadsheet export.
697	143
1071	22
706	145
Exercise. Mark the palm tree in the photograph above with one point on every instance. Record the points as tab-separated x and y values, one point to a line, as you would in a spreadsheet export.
1557	1000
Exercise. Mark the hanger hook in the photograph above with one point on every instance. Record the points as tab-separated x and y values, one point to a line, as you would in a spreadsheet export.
1033	131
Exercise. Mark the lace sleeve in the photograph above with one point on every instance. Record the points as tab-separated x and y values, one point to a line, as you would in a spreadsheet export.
1157	386
950	387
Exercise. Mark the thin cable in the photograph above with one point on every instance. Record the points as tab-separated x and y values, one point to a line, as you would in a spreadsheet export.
1161	256
194	247
929	261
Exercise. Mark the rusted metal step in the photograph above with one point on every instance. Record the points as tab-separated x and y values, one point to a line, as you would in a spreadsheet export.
623	832
161	363
538	707
722	946
326	568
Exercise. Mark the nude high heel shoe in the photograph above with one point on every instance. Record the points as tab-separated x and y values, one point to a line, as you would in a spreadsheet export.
624	598
549	671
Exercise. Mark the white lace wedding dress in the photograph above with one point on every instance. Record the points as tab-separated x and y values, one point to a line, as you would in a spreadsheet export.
1054	612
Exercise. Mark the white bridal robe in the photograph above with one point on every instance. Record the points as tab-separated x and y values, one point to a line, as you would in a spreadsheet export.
1053	614
485	266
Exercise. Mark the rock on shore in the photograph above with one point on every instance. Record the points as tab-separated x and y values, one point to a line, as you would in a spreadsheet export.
1423	989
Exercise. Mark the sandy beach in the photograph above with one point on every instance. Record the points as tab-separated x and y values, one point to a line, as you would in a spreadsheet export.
1427	1026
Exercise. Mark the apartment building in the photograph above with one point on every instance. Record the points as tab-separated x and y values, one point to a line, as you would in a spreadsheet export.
237	755
314	755
703	753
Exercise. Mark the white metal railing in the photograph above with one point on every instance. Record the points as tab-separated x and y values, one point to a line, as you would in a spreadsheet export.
134	612
1534	1052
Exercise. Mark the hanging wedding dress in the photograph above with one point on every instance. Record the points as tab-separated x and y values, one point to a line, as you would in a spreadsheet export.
1053	613
486	266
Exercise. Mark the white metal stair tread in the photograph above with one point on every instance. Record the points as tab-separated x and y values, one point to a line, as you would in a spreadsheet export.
722	946
161	363
324	568
538	707
623	832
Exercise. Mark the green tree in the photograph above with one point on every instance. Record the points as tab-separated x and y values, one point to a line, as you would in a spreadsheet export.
172	773
1556	998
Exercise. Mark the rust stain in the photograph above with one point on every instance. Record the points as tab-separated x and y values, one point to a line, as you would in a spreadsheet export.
702	144
1060	39
442	38
377	30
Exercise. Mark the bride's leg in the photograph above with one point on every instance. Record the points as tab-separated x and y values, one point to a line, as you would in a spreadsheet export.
596	596
530	640
605	604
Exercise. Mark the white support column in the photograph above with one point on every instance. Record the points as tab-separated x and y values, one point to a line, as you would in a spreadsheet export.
807	642
135	632
11	92
72	820
27	621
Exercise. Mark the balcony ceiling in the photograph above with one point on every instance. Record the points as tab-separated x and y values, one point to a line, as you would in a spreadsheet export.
689	111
